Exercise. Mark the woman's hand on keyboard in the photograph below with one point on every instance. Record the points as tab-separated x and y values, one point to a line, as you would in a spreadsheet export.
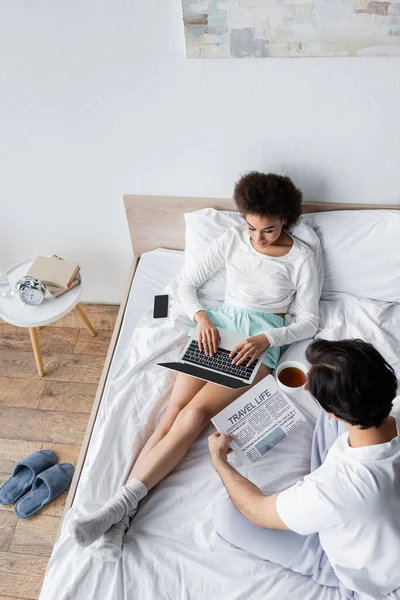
250	348
208	334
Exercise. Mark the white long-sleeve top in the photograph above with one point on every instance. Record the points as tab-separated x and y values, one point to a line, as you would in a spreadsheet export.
259	282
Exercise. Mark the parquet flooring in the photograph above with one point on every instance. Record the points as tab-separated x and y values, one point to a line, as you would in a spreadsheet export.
44	413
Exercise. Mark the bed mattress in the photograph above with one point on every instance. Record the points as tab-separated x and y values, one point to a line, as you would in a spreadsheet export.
171	551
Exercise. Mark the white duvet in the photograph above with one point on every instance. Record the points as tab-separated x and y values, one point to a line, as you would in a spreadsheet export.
171	551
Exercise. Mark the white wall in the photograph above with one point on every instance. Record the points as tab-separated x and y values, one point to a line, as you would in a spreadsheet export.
97	99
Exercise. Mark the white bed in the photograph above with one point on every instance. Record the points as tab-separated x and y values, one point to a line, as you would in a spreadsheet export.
156	270
171	551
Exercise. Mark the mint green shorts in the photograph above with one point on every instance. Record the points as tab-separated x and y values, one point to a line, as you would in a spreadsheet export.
249	323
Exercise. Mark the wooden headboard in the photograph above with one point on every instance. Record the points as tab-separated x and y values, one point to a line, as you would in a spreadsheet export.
158	222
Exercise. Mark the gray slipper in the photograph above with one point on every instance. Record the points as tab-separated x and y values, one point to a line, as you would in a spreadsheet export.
47	486
24	474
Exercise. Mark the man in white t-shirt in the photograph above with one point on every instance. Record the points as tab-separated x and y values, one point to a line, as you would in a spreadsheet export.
340	525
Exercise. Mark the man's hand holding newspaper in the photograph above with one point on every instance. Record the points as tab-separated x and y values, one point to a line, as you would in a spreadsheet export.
219	447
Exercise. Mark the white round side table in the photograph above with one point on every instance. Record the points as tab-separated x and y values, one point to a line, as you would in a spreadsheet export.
15	312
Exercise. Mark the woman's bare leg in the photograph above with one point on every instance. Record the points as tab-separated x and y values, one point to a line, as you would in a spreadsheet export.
160	461
184	390
188	425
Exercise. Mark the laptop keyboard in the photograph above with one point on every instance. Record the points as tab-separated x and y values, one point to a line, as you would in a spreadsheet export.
219	362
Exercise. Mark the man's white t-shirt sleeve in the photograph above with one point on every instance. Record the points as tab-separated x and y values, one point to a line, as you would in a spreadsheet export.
306	507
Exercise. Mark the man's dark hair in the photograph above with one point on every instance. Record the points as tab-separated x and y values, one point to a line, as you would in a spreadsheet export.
352	380
268	196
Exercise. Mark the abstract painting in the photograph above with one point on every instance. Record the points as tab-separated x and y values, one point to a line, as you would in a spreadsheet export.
291	28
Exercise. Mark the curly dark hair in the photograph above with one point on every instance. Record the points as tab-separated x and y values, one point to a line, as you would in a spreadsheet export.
268	196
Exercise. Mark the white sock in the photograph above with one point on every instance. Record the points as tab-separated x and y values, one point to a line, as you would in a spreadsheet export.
109	545
123	503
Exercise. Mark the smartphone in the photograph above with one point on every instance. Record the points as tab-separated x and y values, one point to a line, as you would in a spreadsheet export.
160	310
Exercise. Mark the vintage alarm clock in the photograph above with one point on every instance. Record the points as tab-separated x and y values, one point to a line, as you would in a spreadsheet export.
31	290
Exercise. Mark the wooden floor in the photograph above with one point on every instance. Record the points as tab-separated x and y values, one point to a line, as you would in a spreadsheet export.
44	413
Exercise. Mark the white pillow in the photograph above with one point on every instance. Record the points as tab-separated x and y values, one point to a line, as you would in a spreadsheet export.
361	252
206	225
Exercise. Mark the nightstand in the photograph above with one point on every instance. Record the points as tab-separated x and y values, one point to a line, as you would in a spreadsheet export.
15	312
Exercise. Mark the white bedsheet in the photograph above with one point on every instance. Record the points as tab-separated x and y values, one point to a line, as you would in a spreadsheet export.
171	551
155	271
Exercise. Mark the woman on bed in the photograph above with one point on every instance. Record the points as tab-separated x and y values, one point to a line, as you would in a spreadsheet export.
266	268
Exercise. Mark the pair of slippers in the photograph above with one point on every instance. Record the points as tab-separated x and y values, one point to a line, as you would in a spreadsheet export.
47	480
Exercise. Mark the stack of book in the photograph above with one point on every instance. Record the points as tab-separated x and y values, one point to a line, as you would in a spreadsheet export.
58	274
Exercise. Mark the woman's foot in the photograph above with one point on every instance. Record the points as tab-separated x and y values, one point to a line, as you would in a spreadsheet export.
123	504
109	546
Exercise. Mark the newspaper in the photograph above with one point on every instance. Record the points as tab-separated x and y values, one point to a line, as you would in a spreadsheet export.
258	419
